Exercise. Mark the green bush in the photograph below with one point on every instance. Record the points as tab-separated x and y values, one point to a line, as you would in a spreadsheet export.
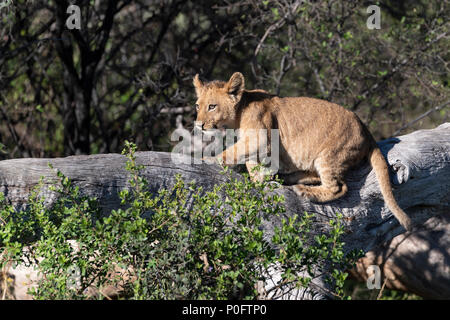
169	245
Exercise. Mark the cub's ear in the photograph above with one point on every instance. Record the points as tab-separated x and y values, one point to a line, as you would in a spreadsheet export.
236	85
198	84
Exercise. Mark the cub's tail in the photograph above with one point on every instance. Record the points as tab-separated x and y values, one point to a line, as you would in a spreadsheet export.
381	170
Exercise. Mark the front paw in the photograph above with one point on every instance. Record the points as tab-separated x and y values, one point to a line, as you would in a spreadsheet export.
209	160
213	160
257	177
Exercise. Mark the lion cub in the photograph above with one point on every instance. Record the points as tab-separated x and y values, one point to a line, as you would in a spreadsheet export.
319	140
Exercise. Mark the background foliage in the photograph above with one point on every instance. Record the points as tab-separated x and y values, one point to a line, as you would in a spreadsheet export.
127	73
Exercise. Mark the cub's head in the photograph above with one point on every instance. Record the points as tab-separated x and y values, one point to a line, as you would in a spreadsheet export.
217	102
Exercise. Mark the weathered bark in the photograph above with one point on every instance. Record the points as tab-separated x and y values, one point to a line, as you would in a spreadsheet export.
413	262
420	164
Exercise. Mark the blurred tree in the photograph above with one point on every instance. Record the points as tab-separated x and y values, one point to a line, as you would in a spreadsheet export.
127	73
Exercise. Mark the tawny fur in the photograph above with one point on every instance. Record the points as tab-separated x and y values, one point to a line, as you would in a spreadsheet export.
319	140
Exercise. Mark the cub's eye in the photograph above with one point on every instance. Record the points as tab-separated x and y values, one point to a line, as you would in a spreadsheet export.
197	107
212	107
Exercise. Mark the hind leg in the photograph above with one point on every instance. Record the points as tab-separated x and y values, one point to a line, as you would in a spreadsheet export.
303	177
333	186
309	178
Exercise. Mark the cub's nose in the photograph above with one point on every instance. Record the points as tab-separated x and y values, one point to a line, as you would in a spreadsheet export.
198	125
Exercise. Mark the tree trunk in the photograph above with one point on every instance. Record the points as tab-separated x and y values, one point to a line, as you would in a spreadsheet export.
79	77
420	164
75	110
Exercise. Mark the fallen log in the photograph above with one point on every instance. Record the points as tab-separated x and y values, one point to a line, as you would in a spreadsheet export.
417	262
420	164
